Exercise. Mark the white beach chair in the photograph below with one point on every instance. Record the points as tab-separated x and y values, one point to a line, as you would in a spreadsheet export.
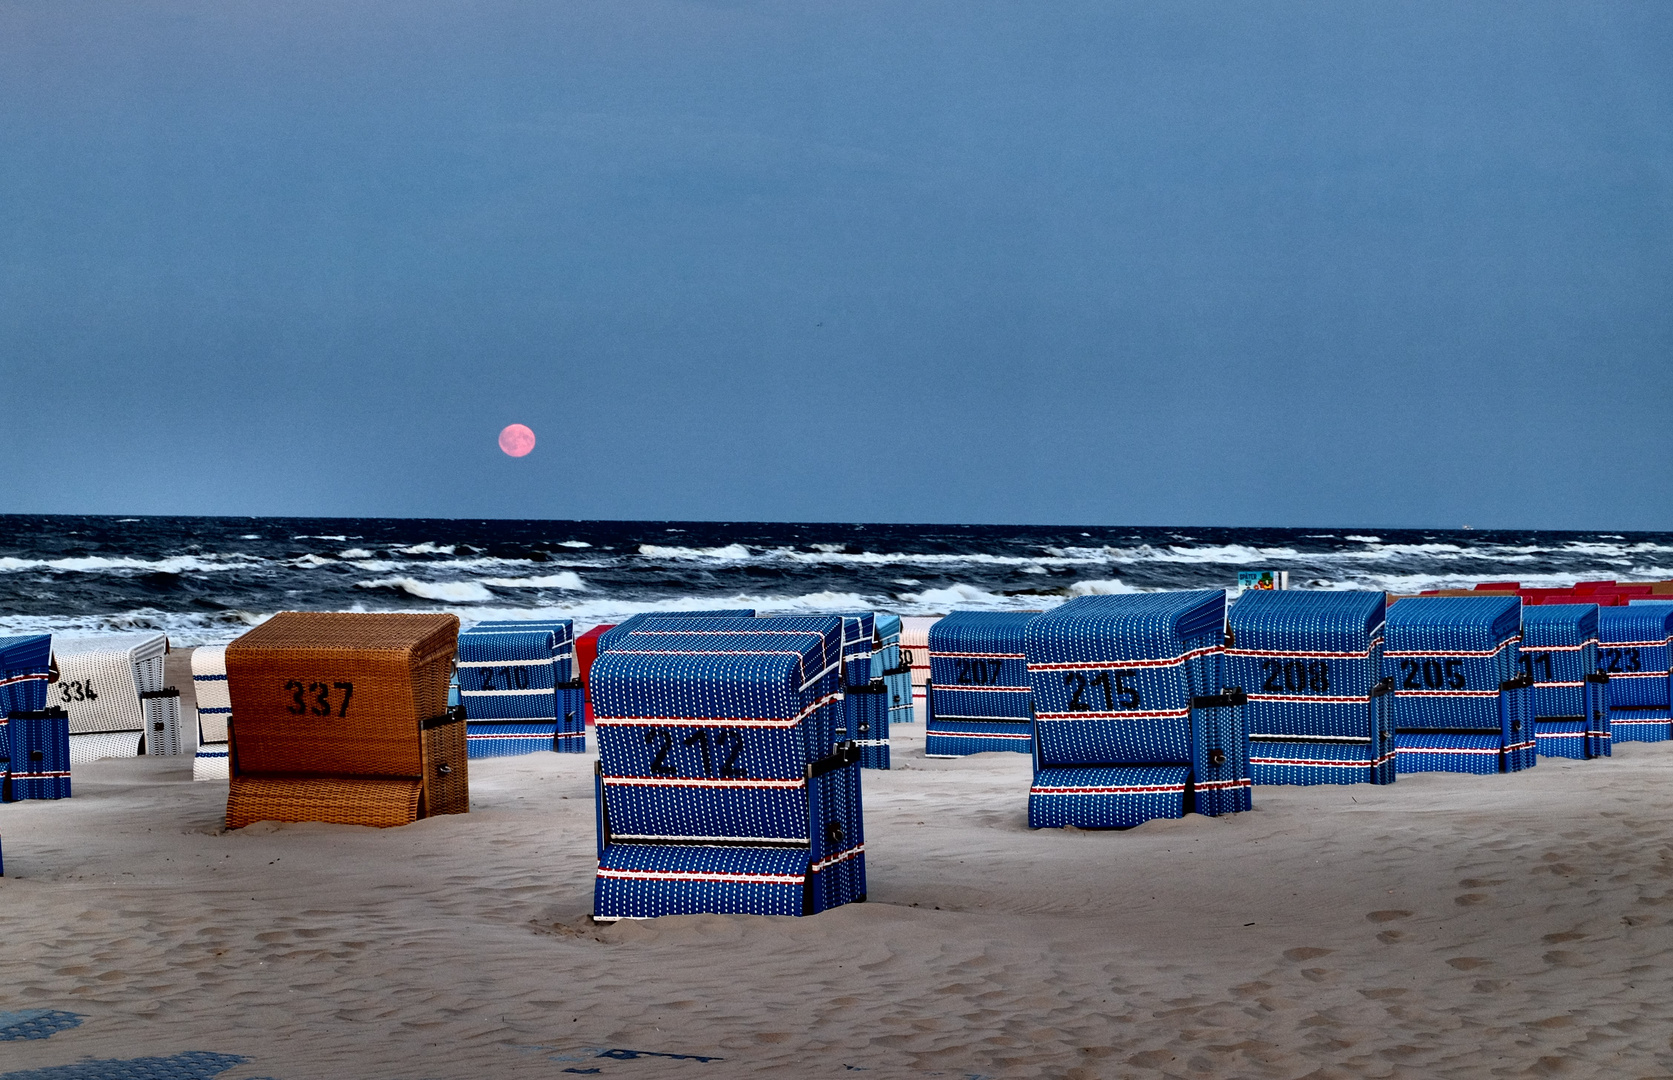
209	678
100	680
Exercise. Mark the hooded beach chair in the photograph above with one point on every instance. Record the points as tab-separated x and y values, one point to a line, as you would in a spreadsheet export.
517	688
865	697
914	653
1133	719
979	695
1319	706
1633	651
626	626
720	784
343	717
25	667
1558	652
100	683
1461	703
209	681
34	743
888	664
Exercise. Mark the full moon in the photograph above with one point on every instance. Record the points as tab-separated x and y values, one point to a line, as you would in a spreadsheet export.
516	440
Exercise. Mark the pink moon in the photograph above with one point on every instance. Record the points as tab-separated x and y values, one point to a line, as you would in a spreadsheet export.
516	440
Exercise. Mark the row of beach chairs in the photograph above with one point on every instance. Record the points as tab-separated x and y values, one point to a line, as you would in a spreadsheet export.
730	746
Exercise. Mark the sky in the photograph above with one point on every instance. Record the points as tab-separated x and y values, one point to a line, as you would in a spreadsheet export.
1240	263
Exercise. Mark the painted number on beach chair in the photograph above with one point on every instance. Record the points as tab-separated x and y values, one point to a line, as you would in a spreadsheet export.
77	690
720	747
315	698
978	672
1619	660
1529	659
1432	674
1295	676
511	678
1112	684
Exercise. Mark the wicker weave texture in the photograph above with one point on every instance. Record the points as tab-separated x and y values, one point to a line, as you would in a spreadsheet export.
379	803
446	770
338	693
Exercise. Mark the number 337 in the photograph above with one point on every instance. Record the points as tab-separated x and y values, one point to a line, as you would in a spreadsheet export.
315	698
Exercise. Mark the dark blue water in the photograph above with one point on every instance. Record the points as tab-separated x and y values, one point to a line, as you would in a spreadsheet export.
206	580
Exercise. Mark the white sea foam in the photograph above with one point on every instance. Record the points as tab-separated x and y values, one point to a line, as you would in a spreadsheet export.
969	596
1109	587
730	553
427	548
457	592
574	544
339	539
98	564
1364	539
354	553
566	580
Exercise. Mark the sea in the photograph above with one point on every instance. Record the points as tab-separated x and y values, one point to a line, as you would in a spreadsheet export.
205	580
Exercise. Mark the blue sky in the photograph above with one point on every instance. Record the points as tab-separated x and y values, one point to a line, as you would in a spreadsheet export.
1106	263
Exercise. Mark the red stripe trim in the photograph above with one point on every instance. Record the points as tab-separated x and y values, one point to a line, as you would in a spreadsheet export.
1088	665
841	856
697	876
1455	652
1303	655
1446	693
1170	714
680	781
979	655
716	721
1132	789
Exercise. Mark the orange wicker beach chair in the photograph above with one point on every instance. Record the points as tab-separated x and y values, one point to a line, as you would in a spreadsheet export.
343	717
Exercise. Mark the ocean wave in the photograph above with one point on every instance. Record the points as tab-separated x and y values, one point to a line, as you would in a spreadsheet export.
428	548
566	580
971	596
731	552
457	592
97	564
574	544
1110	587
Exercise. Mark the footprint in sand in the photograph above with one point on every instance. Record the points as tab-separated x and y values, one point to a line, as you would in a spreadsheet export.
1388	916
1471	899
1468	963
1306	952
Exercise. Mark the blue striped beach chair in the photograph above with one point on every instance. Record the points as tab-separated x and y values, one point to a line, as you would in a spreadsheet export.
39	743
865	703
978	692
1319	705
1132	717
721	787
25	667
1633	651
516	688
1558	652
1460	702
888	664
627	625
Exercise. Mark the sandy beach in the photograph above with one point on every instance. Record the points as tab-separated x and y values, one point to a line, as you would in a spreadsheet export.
1448	925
